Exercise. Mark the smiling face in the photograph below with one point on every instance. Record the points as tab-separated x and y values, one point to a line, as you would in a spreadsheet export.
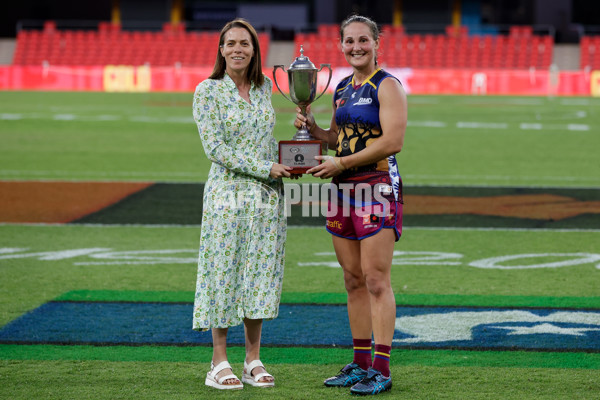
237	50
359	46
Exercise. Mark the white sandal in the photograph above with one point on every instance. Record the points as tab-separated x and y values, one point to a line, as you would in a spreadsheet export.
211	377
254	380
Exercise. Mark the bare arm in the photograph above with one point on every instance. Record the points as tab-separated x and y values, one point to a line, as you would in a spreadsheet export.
393	118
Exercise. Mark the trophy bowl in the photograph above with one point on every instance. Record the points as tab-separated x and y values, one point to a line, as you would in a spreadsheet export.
299	152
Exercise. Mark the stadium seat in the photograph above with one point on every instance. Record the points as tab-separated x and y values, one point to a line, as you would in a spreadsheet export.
590	52
525	31
173	45
110	45
328	30
457	31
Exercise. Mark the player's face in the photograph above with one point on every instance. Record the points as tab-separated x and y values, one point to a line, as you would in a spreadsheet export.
237	49
358	45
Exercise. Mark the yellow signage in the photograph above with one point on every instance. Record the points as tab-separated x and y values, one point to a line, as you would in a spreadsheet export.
127	78
595	83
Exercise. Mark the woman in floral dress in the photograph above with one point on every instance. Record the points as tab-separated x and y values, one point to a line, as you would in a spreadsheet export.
241	259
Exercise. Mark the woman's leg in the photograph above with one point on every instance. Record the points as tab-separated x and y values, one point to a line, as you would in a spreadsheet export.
376	254
348	253
220	353
253	330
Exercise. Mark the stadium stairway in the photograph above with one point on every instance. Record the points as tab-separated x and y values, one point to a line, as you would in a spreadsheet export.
281	53
566	57
7	49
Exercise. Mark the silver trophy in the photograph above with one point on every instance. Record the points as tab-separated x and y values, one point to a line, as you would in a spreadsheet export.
302	79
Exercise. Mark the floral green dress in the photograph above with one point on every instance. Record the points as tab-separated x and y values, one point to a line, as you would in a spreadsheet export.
241	259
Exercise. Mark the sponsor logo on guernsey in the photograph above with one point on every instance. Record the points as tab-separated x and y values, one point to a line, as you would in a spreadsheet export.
363	101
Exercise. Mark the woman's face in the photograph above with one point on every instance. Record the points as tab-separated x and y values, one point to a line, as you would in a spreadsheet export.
237	49
358	45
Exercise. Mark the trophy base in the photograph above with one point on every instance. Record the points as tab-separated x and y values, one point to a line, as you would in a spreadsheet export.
300	154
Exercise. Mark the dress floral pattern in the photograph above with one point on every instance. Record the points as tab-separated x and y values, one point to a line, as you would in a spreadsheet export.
241	258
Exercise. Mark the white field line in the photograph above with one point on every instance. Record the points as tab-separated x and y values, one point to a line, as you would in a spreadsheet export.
502	178
67	117
481	125
189	120
57	173
133	176
179	226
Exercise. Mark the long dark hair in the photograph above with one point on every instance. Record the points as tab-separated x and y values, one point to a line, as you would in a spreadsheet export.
255	68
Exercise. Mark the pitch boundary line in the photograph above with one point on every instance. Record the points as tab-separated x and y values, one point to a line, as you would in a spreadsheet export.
191	174
197	226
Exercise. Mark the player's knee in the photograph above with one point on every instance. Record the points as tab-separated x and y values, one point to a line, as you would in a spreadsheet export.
377	285
353	281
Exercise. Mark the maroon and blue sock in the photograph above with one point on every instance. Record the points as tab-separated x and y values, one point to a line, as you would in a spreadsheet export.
382	359
362	352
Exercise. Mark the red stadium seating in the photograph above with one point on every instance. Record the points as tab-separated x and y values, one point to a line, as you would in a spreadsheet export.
111	45
590	52
329	30
520	49
520	31
457	31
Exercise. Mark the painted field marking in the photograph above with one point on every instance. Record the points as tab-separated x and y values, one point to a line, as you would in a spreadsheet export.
139	323
506	262
107	256
13	172
198	226
66	117
531	126
501	178
499	326
137	176
481	125
578	127
97	118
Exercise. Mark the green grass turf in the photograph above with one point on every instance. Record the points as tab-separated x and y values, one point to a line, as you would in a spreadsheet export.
340	298
181	380
151	136
310	356
30	282
100	136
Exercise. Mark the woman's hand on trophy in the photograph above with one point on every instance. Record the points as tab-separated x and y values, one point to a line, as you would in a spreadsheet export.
308	119
280	171
330	167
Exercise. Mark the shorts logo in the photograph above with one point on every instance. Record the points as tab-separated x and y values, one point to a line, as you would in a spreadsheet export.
370	219
334	224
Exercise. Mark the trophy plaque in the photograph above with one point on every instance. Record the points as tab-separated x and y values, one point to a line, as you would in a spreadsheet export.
299	153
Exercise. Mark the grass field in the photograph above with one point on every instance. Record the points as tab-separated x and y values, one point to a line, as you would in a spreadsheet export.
451	140
546	280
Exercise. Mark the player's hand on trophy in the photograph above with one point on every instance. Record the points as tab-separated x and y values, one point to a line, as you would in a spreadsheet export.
309	119
280	171
330	167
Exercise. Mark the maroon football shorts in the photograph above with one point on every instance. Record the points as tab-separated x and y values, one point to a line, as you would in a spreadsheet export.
362	205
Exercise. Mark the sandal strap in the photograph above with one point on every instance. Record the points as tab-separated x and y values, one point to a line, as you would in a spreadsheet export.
258	377
224	378
253	364
220	367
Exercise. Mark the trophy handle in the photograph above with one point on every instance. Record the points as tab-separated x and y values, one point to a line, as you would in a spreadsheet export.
275	79
328	80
